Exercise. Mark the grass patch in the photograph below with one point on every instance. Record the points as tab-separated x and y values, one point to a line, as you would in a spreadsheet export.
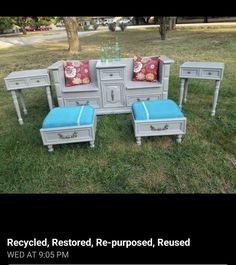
203	163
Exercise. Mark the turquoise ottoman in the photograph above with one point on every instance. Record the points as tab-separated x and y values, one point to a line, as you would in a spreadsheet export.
70	124
156	118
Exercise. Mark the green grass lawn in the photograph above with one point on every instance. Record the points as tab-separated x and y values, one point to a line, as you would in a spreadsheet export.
205	162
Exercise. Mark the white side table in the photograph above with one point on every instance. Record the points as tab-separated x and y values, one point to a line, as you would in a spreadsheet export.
200	70
16	81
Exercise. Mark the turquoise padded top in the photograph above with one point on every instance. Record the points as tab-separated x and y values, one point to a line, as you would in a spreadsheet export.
156	109
69	116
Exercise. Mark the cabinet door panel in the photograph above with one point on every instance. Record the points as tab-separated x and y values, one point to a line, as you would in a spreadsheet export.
113	94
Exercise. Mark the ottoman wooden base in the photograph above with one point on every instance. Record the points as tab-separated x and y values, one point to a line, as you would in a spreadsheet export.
156	118
71	124
171	126
72	134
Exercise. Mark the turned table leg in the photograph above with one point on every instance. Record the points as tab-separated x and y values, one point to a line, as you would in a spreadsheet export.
49	97
185	90
181	92
22	102
16	104
215	98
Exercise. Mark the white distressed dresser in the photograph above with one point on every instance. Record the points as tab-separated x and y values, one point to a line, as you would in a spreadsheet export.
112	89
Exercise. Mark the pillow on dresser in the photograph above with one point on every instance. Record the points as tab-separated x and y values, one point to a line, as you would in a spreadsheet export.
76	73
145	69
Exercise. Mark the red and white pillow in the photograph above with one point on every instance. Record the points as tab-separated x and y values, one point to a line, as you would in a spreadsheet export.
145	69
76	73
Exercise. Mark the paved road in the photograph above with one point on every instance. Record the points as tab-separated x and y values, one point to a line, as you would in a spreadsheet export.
26	40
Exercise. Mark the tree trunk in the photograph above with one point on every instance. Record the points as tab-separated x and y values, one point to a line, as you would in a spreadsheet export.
205	19
173	21
24	30
136	20
164	21
72	34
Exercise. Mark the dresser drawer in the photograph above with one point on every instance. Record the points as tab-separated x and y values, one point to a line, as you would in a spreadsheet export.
211	73
131	99
37	81
112	74
16	83
81	101
190	72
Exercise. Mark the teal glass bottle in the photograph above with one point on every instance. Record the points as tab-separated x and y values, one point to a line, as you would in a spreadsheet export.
109	52
102	54
117	51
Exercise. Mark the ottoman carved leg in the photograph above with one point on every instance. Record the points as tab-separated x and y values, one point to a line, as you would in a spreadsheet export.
50	148
92	144
138	140
179	138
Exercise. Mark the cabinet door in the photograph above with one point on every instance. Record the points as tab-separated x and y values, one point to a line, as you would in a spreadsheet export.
112	94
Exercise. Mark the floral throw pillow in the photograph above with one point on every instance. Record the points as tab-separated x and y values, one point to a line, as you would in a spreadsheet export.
145	69
76	73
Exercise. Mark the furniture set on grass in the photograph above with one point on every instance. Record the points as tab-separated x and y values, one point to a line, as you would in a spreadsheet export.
88	88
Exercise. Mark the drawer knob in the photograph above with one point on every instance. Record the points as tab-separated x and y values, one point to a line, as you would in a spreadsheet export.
111	74
112	95
17	83
188	72
38	81
209	73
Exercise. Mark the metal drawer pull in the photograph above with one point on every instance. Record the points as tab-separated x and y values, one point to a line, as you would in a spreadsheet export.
188	72
38	81
17	83
112	95
79	104
138	99
159	129
74	135
111	74
209	73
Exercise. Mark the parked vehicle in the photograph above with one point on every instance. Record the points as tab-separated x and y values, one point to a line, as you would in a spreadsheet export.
30	28
42	28
125	21
107	21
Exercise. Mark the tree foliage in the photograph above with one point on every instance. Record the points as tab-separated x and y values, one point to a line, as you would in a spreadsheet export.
5	23
8	22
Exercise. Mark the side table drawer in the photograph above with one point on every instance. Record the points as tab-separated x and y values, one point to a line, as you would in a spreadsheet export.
112	74
189	72
211	73
37	81
16	83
